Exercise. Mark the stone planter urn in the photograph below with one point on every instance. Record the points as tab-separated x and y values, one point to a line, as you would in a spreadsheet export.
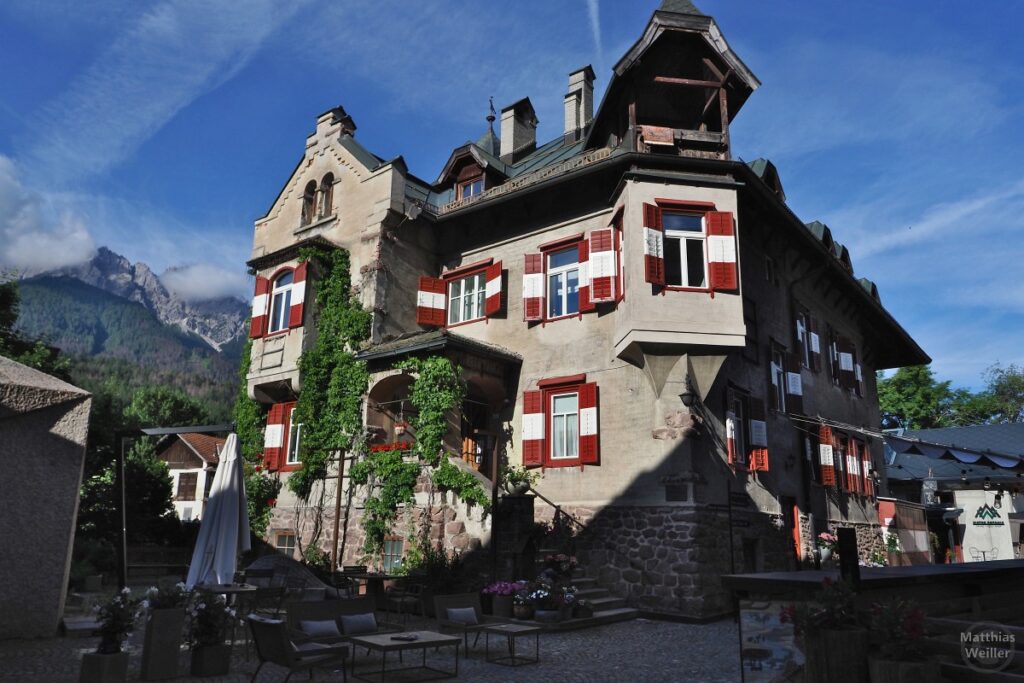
836	656
826	554
522	611
162	643
104	668
210	660
501	606
517	489
894	671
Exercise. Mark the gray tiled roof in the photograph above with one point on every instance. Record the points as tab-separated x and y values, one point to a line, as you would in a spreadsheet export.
679	7
1005	439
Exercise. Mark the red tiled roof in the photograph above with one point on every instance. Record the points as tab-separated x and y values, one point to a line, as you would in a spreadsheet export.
205	445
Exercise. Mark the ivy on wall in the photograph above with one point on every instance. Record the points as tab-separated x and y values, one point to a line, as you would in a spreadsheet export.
437	393
261	489
330	406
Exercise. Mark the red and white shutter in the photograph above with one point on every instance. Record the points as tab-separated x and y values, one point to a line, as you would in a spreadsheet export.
869	483
604	269
492	289
853	467
298	296
273	436
758	437
722	270
794	385
583	258
814	339
588	424
260	301
533	428
732	451
430	301
533	287
826	456
654	246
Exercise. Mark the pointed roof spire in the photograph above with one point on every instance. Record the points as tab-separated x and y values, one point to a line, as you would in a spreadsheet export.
680	7
491	115
489	141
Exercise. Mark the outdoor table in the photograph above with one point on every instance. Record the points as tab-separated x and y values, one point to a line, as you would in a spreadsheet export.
397	642
511	632
375	585
229	589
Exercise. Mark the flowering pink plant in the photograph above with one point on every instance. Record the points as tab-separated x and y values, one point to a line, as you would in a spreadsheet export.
827	540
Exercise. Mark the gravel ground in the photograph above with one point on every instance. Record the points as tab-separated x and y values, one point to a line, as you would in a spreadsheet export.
637	651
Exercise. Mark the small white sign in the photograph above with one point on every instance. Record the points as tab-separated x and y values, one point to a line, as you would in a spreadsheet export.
758	433
794	384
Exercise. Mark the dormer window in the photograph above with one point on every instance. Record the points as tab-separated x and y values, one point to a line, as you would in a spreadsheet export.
327	195
471	188
309	203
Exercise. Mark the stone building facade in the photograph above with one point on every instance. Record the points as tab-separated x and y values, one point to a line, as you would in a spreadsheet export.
638	316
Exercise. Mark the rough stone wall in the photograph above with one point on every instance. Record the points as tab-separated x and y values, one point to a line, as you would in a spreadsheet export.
869	538
670	558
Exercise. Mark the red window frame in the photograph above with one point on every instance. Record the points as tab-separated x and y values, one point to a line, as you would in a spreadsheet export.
281	462
557	386
692	208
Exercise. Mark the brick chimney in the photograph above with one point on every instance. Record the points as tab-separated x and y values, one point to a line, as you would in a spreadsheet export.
579	103
518	131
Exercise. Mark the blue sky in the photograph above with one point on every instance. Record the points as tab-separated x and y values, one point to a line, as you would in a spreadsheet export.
163	129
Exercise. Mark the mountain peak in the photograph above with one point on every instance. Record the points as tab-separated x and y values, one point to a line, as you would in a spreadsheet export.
217	324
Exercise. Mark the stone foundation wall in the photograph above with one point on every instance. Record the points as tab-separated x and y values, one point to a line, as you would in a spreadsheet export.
869	538
670	559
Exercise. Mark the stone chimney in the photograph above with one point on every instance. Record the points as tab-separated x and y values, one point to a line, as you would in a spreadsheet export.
579	103
334	123
518	131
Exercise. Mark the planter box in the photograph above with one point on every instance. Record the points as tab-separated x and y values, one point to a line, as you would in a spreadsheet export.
836	656
889	671
523	611
162	644
97	668
211	660
502	605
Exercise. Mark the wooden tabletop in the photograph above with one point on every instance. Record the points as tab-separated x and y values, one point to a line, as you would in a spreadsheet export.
226	588
387	642
511	628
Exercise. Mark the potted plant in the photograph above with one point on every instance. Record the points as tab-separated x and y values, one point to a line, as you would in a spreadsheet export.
834	643
897	627
548	601
517	480
211	619
109	664
893	550
502	594
828	545
522	602
164	610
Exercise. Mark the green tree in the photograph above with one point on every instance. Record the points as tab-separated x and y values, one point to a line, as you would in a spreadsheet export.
161	407
913	399
31	352
1003	398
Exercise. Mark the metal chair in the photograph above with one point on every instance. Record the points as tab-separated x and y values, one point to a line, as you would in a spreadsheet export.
274	646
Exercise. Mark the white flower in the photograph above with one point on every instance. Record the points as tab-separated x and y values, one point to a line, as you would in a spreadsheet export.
126	591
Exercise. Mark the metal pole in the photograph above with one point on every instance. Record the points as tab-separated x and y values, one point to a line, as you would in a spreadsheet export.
494	509
119	483
337	511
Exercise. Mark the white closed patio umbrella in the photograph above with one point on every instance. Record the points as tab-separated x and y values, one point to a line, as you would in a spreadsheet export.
224	529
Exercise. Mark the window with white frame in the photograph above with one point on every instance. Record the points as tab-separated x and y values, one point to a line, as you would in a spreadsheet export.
563	282
471	188
685	260
803	335
281	301
778	375
565	420
737	410
466	298
294	444
285	544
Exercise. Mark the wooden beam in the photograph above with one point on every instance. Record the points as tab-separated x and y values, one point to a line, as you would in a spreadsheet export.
692	82
724	102
714	69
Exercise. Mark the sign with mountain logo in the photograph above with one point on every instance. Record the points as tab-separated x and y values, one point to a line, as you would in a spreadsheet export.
987	516
985	533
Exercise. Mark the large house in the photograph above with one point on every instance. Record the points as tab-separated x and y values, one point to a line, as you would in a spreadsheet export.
192	461
638	315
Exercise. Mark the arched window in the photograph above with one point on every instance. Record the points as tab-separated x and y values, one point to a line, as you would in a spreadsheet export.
309	203
327	195
281	301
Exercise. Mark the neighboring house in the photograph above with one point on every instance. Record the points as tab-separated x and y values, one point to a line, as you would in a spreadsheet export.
192	460
981	463
638	316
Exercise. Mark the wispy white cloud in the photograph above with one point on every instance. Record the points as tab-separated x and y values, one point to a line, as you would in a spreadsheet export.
594	13
165	59
33	234
205	281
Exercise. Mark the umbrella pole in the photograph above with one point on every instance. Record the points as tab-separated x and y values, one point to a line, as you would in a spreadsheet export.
337	510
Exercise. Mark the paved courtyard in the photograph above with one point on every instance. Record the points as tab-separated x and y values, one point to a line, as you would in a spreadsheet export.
635	651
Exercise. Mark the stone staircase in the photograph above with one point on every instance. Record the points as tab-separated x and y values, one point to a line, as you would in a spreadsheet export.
608	608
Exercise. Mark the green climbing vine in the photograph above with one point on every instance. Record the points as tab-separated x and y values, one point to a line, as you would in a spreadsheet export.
261	489
333	381
436	392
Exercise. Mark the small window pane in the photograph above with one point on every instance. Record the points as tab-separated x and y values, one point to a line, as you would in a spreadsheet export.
558	435
695	263
565	404
673	262
682	221
563	258
572	436
555	295
285	279
573	298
